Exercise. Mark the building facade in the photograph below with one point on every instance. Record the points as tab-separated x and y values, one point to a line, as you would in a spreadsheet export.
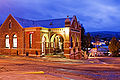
20	36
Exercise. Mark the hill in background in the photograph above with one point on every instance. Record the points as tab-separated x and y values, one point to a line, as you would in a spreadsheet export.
105	35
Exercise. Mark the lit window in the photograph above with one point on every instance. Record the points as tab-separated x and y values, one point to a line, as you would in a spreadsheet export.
7	41
30	40
14	41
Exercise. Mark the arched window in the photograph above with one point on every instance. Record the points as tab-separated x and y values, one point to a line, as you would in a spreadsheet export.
14	41
10	25
7	41
30	40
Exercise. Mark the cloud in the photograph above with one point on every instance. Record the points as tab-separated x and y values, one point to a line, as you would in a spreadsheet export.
94	14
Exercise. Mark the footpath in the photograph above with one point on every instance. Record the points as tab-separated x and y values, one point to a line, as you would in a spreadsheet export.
53	59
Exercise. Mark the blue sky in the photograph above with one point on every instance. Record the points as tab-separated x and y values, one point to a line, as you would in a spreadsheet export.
96	15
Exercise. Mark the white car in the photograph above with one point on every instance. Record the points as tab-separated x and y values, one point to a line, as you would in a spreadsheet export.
109	53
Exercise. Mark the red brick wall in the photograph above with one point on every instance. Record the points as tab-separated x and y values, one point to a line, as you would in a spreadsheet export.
15	29
23	38
35	40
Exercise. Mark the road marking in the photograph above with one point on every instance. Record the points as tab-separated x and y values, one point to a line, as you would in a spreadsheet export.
39	72
91	61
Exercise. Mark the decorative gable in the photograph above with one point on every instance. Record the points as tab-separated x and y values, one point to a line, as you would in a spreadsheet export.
74	22
10	23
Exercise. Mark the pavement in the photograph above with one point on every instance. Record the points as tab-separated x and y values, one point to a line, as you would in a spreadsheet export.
59	58
51	68
90	60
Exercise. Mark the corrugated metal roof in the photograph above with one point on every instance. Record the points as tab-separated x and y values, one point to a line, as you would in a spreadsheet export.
51	23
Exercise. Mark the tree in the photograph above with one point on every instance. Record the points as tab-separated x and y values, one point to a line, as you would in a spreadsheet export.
114	47
82	38
88	41
97	41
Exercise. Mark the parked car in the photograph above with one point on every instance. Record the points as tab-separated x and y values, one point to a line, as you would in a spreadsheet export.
109	54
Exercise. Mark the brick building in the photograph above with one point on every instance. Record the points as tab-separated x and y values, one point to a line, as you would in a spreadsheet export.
20	36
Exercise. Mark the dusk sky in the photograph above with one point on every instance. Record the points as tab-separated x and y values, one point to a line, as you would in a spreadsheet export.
96	15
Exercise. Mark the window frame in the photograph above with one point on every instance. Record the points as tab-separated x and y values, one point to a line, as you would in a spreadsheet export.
14	42
30	40
7	43
10	25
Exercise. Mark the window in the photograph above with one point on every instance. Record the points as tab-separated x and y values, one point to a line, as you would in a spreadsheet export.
30	40
10	25
14	41
71	43
7	41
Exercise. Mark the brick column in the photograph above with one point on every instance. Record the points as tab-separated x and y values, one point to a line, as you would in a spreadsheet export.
66	49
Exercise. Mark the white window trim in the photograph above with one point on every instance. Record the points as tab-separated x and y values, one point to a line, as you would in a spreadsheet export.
30	40
7	45
14	41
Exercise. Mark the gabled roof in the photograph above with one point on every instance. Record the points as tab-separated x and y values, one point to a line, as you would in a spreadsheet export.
51	23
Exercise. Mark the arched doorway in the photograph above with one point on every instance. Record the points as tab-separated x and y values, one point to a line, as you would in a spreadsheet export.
58	44
77	41
43	45
45	42
72	41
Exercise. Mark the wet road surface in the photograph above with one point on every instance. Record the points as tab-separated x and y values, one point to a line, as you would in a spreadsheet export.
16	68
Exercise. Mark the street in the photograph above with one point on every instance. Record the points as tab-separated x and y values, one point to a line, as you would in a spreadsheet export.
25	68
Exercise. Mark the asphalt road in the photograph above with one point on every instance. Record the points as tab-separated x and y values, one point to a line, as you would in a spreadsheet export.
17	68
